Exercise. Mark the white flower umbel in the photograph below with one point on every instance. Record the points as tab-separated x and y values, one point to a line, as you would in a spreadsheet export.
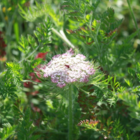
68	68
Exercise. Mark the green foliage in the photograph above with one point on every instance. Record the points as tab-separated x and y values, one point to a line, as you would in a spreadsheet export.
32	107
43	33
130	96
14	2
10	80
40	12
26	129
7	132
24	45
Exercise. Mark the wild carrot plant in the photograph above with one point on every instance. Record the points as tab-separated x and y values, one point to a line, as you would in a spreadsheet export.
66	73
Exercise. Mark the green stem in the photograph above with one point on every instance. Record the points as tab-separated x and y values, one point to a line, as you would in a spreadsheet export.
30	54
70	113
64	38
132	14
8	28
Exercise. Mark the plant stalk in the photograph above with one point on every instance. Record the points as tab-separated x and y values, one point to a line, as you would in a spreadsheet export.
70	113
132	14
64	38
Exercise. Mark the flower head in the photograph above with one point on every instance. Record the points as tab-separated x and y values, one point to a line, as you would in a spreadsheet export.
68	68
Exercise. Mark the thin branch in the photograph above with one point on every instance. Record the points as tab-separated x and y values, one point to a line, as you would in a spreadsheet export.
29	54
63	37
132	14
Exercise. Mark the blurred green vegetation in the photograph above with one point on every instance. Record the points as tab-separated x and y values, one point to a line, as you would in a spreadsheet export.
47	119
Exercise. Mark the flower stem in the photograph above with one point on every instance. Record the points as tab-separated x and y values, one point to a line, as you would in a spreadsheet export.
132	14
70	113
64	38
30	54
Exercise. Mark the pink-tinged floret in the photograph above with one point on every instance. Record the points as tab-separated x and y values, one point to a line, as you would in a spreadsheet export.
84	79
91	71
71	51
56	56
61	85
45	75
81	56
